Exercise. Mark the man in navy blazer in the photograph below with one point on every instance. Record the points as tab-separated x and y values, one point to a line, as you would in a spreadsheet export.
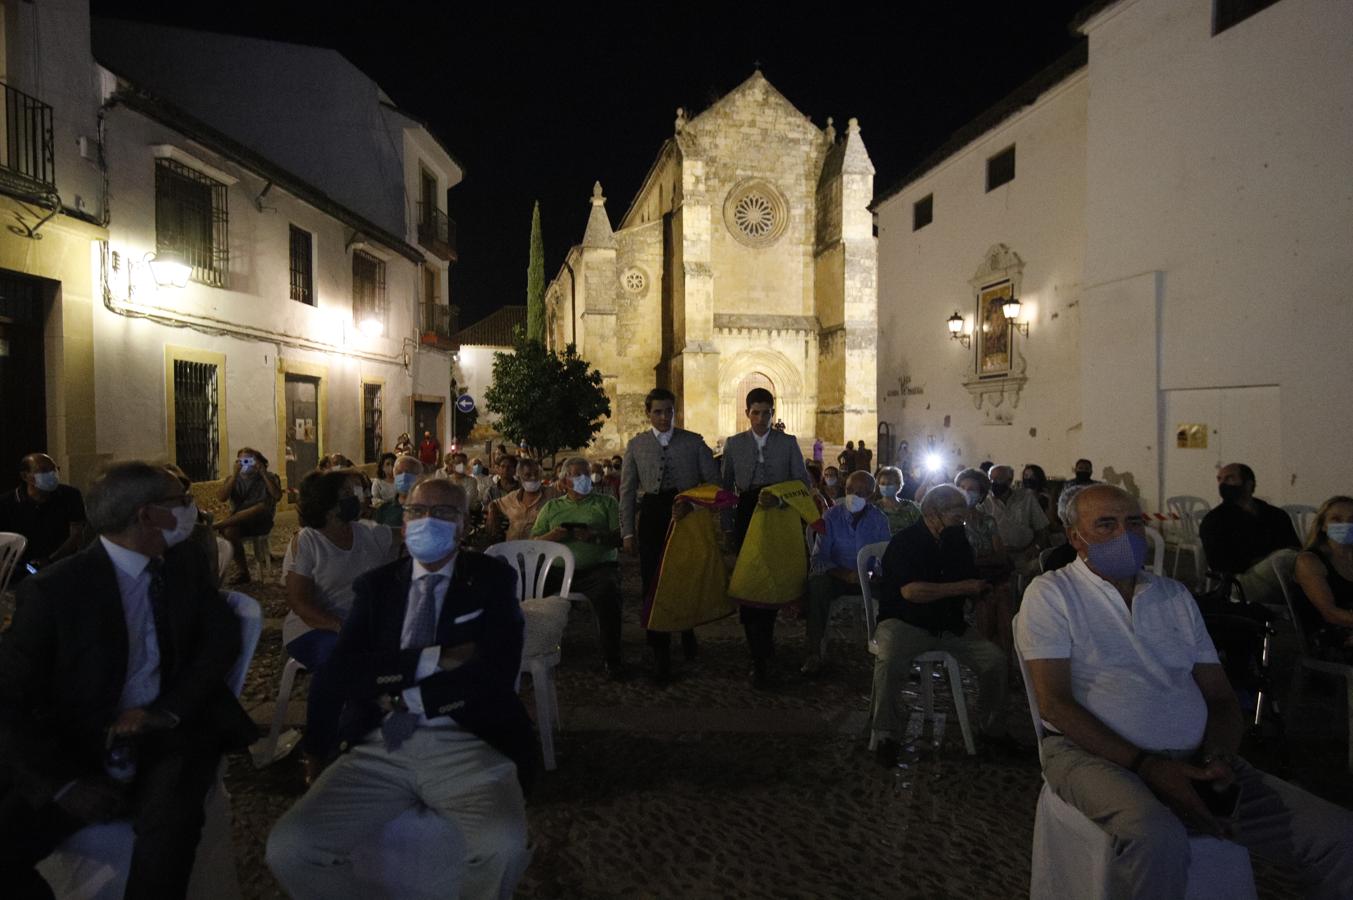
427	661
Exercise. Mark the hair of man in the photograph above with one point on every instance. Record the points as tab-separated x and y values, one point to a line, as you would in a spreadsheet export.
121	490
657	394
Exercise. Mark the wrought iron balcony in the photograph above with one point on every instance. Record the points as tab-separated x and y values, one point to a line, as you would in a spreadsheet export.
27	161
437	325
437	231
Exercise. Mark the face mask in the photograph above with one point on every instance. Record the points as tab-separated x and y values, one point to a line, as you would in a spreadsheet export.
349	508
1033	483
890	490
973	498
479	470
829	481
1340	532
530	487
853	502
1230	493
46	481
582	484
460	468
951	532
430	539
1082	477
1119	558
404	481
1000	490
185	517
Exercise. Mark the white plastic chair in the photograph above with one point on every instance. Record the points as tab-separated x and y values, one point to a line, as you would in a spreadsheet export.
278	744
1157	541
1190	511
546	618
1072	855
1283	565
262	554
927	661
94	862
1302	516
224	554
11	548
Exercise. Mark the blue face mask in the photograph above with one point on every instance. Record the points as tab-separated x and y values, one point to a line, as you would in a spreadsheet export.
404	481
582	484
890	490
852	502
430	539
46	481
1340	532
1119	558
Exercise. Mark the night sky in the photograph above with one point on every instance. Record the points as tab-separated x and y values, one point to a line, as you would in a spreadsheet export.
540	104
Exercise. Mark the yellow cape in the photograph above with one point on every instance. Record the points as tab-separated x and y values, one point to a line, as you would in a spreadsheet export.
692	581
772	567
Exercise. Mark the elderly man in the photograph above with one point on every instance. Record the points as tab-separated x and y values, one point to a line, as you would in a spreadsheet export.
428	661
1143	726
504	479
659	464
928	571
512	516
852	524
1243	531
1019	517
113	699
588	523
407	471
51	515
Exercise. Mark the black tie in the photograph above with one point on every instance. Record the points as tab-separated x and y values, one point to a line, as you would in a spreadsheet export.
159	611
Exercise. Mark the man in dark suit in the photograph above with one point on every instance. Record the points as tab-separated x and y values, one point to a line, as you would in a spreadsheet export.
752	461
124	645
428	661
659	464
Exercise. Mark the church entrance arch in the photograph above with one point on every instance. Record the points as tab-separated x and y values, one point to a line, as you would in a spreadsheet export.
760	368
751	382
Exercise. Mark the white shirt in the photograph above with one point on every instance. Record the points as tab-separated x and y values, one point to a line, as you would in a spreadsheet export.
664	437
143	648
383	491
333	569
760	443
1132	669
429	659
1017	517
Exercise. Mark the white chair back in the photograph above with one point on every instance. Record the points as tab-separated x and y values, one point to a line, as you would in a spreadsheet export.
532	561
1284	564
1302	516
868	561
1190	511
250	614
1157	541
224	555
1040	730
11	548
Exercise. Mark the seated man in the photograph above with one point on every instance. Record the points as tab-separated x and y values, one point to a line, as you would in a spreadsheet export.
113	699
928	571
457	471
50	514
1242	532
852	525
427	660
253	493
407	471
1019	517
1143	723
588	523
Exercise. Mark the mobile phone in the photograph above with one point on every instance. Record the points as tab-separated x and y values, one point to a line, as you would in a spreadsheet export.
1222	804
32	569
572	526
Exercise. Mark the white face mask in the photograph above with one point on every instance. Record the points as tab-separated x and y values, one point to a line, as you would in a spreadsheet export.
853	502
460	468
530	487
185	517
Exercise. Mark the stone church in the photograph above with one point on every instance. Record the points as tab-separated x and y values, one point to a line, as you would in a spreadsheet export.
747	259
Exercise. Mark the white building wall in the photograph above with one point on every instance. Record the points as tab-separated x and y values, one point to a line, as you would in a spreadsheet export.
924	277
474	371
1222	163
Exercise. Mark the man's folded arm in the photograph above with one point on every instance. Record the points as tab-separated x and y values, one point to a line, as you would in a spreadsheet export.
493	667
356	665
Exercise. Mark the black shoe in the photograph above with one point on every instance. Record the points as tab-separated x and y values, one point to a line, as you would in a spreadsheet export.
689	646
886	751
662	665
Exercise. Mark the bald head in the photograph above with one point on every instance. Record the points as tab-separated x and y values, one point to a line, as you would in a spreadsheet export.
1089	501
438	492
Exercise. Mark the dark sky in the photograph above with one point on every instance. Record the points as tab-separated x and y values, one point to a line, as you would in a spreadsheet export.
538	104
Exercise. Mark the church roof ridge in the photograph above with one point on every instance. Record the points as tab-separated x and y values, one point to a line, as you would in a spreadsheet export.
753	79
598	233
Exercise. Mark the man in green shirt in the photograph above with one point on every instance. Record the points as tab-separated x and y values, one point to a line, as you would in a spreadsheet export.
588	524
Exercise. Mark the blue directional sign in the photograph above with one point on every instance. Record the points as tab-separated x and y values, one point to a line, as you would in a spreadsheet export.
465	404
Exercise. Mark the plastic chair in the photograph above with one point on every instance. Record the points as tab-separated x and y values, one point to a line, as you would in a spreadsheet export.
262	553
224	554
1072	855
278	745
93	863
1283	566
1302	516
1190	511
927	661
546	618
1157	541
11	548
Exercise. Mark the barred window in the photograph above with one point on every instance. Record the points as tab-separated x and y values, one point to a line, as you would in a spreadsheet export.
368	288
197	440
191	219
302	262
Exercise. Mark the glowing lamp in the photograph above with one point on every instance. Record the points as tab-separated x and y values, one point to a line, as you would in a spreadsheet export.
956	333
170	269
934	462
372	328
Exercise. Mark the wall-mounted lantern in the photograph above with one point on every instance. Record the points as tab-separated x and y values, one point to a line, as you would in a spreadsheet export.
956	331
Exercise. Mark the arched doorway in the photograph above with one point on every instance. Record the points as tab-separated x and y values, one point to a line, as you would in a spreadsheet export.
750	382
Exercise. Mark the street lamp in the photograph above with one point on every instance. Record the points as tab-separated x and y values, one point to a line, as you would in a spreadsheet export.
956	332
1012	308
169	268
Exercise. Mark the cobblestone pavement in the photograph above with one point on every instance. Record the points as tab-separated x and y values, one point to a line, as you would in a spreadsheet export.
709	789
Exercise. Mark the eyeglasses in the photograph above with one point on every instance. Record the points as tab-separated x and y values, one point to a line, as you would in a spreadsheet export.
446	513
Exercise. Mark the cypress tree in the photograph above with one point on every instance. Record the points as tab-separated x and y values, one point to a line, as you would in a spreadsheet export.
535	281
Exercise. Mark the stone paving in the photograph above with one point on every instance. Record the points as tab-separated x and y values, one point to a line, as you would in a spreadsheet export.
709	789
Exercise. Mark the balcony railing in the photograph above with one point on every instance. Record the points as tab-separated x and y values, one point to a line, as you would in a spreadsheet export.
436	328
26	155
437	231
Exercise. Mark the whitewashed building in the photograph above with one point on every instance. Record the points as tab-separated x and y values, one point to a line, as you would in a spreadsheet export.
1170	204
312	315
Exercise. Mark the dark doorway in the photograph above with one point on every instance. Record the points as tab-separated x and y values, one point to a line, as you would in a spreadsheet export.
426	415
303	427
373	427
23	397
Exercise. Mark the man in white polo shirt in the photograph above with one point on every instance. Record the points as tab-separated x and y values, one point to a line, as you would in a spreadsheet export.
1142	719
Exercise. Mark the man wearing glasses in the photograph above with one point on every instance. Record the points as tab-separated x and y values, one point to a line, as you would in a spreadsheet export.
50	514
113	700
428	661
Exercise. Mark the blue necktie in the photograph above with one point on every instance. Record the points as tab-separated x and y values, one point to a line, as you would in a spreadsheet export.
401	723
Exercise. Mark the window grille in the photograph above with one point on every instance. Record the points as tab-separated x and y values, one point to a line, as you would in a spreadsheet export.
196	414
191	219
368	287
302	262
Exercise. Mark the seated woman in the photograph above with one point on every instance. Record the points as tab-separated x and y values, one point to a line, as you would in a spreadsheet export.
993	613
514	514
1324	572
831	484
253	493
383	488
901	513
327	554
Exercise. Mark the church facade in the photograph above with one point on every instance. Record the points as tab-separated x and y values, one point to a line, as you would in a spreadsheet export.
747	259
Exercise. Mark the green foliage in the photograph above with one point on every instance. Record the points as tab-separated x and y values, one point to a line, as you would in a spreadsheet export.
549	400
535	281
